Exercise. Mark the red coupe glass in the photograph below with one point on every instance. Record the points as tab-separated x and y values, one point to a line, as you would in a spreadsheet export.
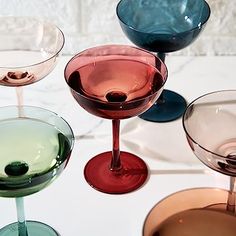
115	82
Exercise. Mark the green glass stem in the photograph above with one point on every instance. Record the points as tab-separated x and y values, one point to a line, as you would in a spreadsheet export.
22	229
231	196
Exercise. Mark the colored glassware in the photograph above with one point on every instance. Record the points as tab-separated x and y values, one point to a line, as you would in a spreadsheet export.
163	26
30	161
115	82
209	123
29	51
197	211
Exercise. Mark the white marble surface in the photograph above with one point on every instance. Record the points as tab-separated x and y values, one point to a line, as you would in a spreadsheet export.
69	204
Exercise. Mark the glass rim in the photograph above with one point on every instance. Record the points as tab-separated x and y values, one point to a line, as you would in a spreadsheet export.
176	193
120	45
43	22
70	136
151	33
186	130
47	111
71	133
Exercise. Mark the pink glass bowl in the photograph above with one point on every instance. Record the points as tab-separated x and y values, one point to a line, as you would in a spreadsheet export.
29	49
210	126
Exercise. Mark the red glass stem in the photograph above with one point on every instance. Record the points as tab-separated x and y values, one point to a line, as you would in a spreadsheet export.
115	162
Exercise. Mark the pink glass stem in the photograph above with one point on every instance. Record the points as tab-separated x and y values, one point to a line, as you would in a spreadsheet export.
19	95
231	196
115	162
20	100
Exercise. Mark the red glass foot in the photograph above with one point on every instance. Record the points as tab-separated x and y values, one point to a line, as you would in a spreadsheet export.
130	177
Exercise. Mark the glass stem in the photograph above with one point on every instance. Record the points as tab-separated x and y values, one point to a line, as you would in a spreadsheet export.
161	55
22	229
161	99
115	162
231	195
20	100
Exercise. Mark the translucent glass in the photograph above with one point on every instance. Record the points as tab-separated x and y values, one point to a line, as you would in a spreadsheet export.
209	123
207	214
115	82
35	146
29	49
163	26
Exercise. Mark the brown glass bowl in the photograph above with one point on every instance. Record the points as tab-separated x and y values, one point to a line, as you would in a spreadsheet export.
196	198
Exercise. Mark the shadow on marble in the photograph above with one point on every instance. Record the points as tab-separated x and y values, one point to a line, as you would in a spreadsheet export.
164	142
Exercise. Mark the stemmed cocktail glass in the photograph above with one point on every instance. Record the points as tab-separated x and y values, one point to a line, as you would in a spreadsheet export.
29	49
115	82
210	126
163	26
34	149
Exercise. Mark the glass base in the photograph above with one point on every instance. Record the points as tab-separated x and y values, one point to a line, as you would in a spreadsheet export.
171	109
34	228
130	177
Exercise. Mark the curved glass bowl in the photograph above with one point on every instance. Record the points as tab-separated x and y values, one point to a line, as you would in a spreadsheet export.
93	96
162	26
35	146
210	126
115	82
29	49
197	211
36	157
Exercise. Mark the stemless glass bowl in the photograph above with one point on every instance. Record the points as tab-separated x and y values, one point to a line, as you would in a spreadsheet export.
115	82
29	49
163	26
35	147
204	200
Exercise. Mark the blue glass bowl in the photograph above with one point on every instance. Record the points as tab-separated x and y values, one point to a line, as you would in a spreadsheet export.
162	25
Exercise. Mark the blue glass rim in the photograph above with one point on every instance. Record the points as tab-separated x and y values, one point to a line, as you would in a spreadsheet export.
150	33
